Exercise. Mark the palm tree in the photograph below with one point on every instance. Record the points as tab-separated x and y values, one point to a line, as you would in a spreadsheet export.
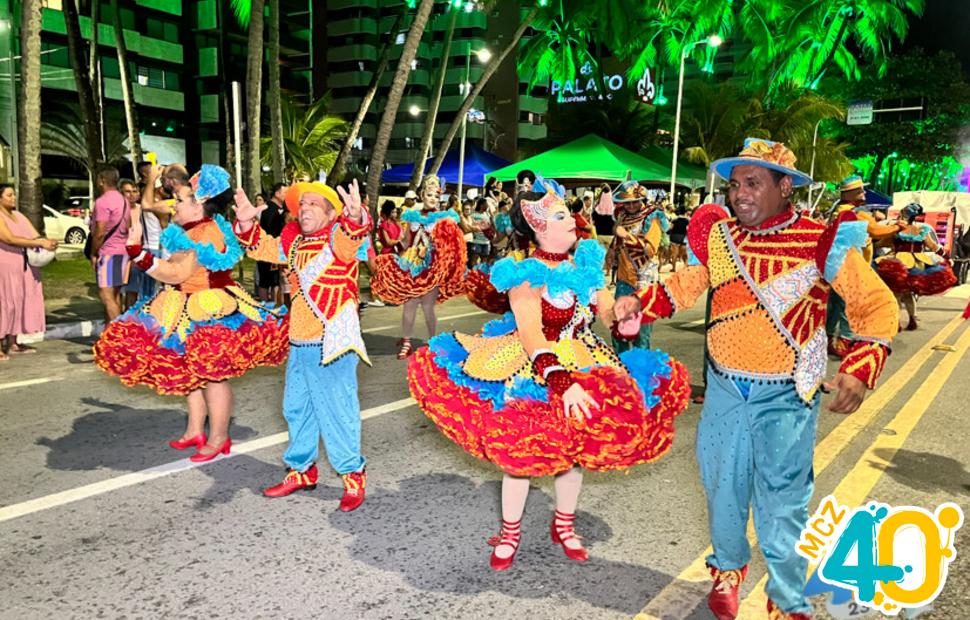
408	52
95	75
310	138
131	118
477	88
250	15
62	133
429	119
559	48
28	115
714	122
622	120
340	166
275	113
79	64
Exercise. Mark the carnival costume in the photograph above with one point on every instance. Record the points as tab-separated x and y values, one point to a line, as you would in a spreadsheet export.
435	257
204	329
766	347
320	395
503	403
636	255
909	268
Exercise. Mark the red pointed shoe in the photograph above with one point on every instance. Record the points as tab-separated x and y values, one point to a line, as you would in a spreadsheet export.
723	599
563	531
181	444
199	457
294	481
775	613
354	484
510	535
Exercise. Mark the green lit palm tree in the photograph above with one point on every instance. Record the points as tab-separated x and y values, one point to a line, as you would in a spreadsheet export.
311	138
561	45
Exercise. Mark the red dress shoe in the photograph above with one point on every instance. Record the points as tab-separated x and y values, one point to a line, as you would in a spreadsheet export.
354	484
510	535
775	613
562	530
181	444
294	481
200	457
723	599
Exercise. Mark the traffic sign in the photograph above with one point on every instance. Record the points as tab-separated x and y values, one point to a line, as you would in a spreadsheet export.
860	113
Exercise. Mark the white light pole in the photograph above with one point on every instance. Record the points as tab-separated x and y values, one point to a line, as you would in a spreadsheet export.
811	169
484	55
713	41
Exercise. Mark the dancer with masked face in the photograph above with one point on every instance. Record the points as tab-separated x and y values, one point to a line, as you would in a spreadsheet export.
537	392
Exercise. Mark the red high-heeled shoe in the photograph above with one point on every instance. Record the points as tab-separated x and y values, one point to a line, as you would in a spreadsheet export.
181	444
561	532
199	457
510	535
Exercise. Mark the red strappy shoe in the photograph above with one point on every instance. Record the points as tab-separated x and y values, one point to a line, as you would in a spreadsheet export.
405	351
562	532
510	535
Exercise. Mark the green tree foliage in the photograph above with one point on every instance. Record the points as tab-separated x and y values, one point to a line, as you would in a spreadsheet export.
311	138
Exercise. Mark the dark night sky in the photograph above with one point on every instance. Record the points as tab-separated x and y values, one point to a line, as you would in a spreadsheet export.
945	25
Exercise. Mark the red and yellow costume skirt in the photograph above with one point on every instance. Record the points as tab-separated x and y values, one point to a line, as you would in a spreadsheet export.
920	273
481	393
413	274
178	342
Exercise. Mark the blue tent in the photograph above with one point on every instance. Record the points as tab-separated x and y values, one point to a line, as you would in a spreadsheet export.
878	199
478	163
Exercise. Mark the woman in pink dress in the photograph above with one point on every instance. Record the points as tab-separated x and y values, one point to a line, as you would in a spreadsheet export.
21	294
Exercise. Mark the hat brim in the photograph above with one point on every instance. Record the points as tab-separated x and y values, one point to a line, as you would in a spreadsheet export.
723	168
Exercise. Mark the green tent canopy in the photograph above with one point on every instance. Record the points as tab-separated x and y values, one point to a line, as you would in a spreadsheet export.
590	160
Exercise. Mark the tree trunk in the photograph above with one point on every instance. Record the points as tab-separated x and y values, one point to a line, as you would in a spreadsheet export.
79	62
408	53
29	192
429	120
254	90
131	118
275	112
477	89
95	74
339	169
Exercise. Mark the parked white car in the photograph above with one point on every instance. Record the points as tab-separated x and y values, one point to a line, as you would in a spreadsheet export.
65	228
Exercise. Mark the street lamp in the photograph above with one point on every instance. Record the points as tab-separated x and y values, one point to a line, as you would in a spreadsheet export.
414	110
484	55
712	41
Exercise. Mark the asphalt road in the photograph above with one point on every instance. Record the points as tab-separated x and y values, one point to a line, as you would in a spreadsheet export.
100	519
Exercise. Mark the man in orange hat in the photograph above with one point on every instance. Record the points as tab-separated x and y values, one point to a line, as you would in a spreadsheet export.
769	271
320	397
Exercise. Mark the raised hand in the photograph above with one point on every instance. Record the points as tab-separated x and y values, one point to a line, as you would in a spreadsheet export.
351	200
246	213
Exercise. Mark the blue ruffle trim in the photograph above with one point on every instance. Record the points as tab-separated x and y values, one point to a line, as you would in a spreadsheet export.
925	229
415	268
657	215
175	239
413	216
583	278
450	355
928	271
849	235
647	368
499	327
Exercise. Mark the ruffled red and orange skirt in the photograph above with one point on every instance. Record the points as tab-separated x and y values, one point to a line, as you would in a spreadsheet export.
398	279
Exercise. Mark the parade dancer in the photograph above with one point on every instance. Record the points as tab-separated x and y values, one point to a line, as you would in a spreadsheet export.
429	271
852	197
638	233
769	271
914	267
320	397
201	328
538	393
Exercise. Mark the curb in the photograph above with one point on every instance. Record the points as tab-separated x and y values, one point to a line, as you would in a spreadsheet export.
65	331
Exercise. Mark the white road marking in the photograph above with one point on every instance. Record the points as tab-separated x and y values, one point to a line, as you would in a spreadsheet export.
41	380
152	473
697	323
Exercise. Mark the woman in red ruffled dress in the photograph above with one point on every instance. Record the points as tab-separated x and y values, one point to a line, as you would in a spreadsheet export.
538	393
202	328
430	270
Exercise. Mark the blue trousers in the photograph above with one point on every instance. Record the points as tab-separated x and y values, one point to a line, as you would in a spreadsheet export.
321	402
755	445
642	340
836	322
